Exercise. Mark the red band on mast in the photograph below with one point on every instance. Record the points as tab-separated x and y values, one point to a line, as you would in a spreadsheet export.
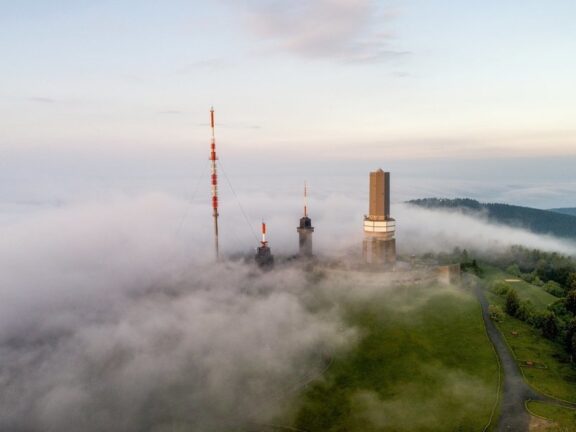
214	182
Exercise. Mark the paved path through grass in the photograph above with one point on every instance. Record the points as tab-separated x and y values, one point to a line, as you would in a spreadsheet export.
513	415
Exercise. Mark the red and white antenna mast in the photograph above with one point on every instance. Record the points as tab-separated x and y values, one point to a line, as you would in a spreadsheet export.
263	241
213	159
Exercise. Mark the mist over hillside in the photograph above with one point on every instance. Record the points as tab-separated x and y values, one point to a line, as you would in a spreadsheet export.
558	223
115	317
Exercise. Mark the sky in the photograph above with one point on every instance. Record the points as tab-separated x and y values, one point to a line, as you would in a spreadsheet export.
442	92
104	187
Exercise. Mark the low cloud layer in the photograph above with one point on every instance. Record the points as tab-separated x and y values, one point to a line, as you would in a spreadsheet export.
114	316
342	30
108	322
424	230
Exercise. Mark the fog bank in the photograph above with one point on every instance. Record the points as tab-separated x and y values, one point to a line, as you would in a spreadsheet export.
115	317
111	322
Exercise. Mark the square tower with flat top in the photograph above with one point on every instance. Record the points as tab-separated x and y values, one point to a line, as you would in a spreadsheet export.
379	195
379	245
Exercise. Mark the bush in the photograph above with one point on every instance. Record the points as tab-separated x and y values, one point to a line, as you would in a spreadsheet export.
550	328
513	270
496	313
536	320
525	311
471	267
528	277
571	281
554	288
570	302
512	302
572	348
500	288
559	309
570	334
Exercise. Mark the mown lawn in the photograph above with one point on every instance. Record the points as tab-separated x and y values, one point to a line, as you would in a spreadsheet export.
551	372
424	363
526	291
564	418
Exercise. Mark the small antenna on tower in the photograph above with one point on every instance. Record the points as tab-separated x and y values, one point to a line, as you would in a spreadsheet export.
263	241
305	200
214	182
305	229
263	256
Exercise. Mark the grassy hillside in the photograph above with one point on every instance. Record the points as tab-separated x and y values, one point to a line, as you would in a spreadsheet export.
535	220
526	291
423	362
550	371
564	419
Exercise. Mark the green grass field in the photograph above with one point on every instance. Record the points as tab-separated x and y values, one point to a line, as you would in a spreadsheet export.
564	418
423	363
552	373
539	298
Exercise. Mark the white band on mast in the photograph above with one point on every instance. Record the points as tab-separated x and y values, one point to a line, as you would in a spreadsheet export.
214	183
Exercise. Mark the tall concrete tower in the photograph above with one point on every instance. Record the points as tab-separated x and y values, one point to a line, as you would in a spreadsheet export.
379	228
305	230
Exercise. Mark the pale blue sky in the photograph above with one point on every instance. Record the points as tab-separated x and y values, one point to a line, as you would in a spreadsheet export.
373	81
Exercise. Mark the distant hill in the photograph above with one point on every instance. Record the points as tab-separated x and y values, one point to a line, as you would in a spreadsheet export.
539	221
569	211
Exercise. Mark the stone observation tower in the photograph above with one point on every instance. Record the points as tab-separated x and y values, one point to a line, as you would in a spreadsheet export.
379	245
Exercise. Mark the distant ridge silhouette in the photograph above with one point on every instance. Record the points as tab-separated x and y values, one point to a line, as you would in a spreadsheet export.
556	222
566	210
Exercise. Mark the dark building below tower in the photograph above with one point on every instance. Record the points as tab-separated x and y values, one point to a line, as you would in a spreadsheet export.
264	257
305	231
